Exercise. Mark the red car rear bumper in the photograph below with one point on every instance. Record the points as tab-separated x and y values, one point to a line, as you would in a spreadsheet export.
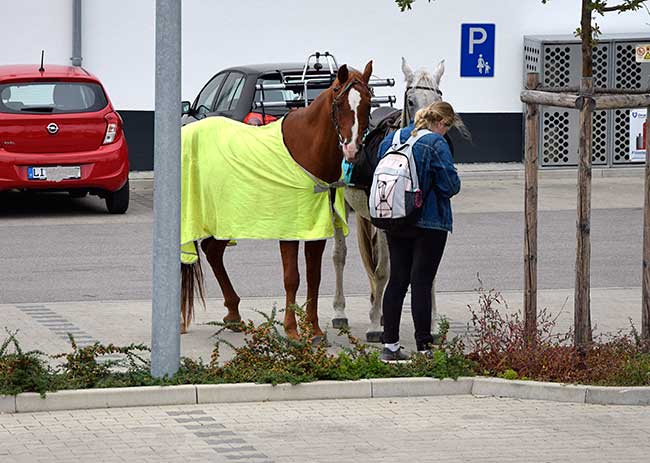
106	168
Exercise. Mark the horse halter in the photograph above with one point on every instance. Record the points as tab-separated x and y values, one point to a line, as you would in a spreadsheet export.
335	110
407	112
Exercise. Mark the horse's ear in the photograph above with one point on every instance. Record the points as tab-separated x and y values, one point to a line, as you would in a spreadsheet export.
408	72
440	70
367	72
342	74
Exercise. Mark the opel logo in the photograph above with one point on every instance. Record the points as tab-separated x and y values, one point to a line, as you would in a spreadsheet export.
52	128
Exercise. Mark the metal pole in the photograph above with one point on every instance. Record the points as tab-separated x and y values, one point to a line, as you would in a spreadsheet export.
165	328
76	33
645	280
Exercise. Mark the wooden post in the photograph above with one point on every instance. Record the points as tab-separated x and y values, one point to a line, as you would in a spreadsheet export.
530	213
645	278
582	311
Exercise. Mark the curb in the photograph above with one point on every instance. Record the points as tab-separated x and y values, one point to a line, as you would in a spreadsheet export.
82	399
534	390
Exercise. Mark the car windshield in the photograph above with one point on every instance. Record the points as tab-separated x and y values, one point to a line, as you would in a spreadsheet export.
51	97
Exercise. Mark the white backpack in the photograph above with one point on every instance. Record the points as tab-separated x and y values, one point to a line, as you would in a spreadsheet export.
395	195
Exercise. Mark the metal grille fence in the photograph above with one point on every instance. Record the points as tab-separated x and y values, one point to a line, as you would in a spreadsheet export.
558	60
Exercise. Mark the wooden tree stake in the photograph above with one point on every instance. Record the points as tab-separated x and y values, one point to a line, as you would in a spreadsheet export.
530	213
582	310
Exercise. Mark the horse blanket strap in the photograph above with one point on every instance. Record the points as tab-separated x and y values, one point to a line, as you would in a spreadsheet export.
240	182
322	187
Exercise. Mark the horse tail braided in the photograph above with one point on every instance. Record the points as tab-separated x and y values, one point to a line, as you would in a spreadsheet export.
191	283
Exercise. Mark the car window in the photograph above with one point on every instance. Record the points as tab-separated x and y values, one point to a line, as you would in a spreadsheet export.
51	97
205	99
231	91
282	95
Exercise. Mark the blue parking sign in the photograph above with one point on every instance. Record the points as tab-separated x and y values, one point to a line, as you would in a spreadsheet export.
477	50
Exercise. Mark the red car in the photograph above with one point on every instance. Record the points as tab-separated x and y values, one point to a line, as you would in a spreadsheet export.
59	131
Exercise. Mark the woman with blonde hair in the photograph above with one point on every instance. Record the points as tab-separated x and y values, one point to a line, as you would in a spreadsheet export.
416	250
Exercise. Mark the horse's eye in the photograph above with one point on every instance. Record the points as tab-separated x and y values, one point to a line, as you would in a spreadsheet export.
411	102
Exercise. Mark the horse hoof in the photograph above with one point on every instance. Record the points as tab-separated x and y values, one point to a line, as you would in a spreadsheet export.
233	325
340	323
374	336
316	340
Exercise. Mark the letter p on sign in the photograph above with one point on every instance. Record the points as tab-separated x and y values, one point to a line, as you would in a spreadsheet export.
477	50
477	36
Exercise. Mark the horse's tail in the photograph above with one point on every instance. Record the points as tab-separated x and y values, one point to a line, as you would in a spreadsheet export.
191	283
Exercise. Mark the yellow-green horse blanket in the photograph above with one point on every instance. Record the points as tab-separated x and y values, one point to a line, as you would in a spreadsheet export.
240	182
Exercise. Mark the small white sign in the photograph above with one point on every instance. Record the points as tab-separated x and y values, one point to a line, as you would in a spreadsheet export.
637	134
642	53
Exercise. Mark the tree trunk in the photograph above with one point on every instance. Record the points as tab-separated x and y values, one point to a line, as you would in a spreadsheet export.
587	41
582	309
582	314
530	214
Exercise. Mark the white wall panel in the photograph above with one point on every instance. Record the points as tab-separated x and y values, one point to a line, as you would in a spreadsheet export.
29	26
119	47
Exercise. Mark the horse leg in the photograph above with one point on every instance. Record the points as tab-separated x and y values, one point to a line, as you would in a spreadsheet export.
339	254
214	250
289	253
380	279
314	258
368	257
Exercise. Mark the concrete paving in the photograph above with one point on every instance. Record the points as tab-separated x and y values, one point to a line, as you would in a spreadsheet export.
423	429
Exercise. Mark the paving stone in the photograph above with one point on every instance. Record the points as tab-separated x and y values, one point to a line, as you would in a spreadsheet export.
412	429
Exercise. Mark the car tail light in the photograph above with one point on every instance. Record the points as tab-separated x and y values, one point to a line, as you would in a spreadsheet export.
259	119
113	123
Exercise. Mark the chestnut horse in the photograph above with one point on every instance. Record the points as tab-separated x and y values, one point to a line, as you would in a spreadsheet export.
317	137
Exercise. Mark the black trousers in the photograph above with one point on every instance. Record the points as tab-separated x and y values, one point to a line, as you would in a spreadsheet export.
414	259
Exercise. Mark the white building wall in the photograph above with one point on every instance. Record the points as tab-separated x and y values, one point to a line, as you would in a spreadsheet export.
119	39
29	26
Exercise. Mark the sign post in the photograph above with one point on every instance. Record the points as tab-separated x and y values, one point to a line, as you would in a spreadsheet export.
477	50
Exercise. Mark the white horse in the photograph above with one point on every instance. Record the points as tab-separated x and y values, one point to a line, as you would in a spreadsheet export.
422	89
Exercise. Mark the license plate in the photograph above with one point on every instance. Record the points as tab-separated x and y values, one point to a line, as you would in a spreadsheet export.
53	174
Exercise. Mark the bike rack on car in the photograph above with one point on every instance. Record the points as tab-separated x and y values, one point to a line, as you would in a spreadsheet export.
318	80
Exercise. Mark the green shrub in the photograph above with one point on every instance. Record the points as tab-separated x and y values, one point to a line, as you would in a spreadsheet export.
22	371
84	367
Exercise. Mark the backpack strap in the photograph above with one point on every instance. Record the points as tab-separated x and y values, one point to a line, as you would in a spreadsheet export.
414	138
397	138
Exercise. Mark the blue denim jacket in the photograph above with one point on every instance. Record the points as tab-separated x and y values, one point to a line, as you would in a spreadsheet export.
437	175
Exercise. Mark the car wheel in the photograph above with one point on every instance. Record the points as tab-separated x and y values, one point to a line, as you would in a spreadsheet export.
117	202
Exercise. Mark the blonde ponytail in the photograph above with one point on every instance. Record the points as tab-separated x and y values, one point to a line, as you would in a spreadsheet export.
427	117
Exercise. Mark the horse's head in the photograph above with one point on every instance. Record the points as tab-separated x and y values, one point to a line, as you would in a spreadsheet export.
351	97
422	88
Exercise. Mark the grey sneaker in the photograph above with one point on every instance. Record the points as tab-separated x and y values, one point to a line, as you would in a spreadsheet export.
398	356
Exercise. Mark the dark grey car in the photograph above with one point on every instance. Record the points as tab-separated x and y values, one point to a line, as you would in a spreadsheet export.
232	93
